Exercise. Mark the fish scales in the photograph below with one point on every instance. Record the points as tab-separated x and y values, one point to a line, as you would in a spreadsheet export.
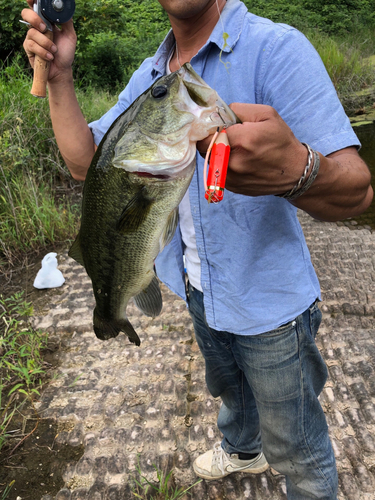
138	176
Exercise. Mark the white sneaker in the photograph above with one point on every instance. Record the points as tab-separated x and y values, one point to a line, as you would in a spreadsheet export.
216	463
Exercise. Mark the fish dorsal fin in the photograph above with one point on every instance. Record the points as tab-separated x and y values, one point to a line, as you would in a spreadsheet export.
150	301
75	251
135	212
170	229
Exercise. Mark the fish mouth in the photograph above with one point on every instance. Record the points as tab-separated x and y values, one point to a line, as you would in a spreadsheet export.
205	104
200	113
153	176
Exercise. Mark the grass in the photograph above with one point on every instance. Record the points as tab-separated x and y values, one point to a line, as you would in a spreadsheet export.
31	217
164	489
346	59
35	186
21	362
6	492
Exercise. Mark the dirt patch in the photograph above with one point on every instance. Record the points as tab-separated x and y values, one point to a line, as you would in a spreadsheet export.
21	278
38	464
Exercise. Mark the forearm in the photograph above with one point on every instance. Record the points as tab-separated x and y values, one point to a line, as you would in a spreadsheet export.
342	188
73	136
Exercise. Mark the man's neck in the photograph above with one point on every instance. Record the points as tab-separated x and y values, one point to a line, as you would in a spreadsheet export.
192	33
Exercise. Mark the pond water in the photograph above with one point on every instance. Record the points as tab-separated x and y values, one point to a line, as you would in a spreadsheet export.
366	134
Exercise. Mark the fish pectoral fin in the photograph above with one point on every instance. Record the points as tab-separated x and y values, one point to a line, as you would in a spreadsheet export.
75	251
135	212
150	301
108	329
170	229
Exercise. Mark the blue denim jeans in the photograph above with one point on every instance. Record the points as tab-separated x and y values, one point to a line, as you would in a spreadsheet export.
269	386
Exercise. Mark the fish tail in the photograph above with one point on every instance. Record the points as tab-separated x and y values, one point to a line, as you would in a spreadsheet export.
108	329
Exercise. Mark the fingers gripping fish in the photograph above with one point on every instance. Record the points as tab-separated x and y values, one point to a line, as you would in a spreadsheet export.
137	178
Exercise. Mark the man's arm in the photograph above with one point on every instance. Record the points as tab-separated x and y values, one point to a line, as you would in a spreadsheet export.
73	136
342	188
267	159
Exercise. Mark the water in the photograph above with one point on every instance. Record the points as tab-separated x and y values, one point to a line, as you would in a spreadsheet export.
366	134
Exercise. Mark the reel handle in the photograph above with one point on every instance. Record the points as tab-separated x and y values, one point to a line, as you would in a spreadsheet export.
41	70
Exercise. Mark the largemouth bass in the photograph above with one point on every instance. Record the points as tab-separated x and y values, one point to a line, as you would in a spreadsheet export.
137	178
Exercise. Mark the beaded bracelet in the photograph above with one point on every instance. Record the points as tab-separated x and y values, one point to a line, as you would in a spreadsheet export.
304	184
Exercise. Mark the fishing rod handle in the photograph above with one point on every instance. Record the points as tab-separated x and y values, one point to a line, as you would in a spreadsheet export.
41	71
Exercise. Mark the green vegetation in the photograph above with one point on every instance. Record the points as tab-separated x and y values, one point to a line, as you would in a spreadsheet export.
346	59
334	17
6	492
164	489
34	209
31	216
21	362
114	37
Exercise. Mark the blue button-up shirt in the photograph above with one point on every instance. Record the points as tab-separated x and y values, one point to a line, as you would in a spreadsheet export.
256	272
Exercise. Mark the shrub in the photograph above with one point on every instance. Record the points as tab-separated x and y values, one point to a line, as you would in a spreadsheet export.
12	33
114	37
109	60
331	16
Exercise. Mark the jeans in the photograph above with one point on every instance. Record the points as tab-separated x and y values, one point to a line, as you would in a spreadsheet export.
269	386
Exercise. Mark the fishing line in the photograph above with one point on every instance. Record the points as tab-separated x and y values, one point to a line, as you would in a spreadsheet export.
218	9
206	159
225	37
219	158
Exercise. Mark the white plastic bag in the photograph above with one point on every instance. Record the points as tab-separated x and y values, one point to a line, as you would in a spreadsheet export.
49	276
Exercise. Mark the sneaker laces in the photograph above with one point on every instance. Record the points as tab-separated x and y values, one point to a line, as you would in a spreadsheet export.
218	457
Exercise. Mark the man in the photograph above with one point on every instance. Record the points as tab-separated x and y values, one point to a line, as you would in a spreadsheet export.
252	290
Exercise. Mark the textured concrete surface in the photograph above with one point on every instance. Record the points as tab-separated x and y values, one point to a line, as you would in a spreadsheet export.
150	403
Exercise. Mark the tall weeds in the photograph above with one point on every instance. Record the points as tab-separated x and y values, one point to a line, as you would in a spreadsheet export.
21	363
35	186
346	59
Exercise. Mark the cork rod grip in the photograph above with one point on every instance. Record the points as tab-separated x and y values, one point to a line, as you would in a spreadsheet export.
41	70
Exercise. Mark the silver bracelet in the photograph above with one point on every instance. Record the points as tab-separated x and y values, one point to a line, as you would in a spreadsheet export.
311	178
304	184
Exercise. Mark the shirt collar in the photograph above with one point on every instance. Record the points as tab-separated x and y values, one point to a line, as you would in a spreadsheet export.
232	17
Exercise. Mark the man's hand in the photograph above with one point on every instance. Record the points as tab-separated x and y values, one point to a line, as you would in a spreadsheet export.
266	158
60	51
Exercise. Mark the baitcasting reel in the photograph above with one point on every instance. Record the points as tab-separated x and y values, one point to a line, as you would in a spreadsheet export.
55	11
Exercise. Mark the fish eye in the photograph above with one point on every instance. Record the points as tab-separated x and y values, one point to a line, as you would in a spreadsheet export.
159	92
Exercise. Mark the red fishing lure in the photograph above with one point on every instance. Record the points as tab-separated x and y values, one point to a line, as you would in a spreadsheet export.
214	182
